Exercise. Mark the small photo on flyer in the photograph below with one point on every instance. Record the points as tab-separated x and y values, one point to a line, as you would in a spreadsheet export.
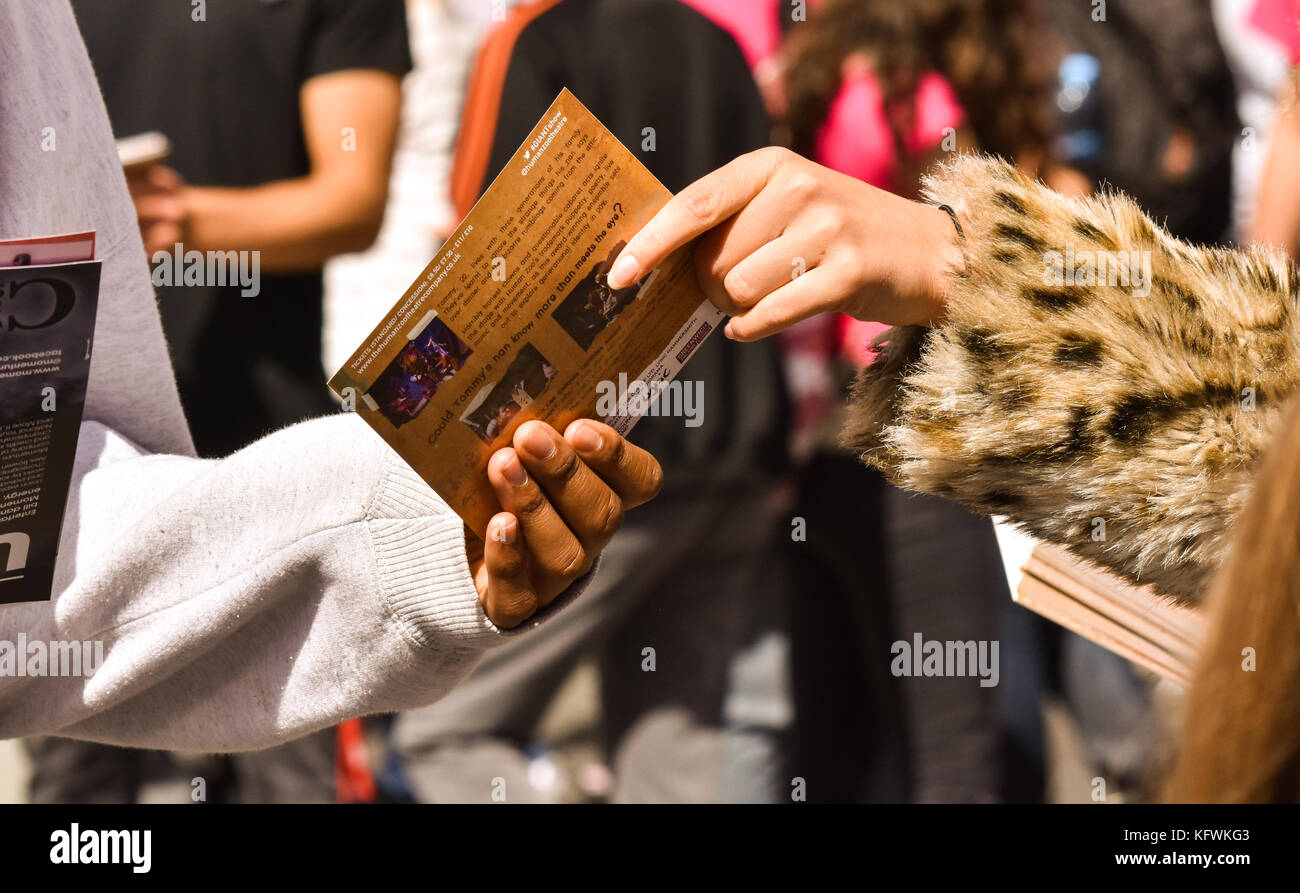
409	382
493	408
593	305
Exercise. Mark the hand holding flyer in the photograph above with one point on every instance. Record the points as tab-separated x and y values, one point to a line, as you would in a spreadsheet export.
515	320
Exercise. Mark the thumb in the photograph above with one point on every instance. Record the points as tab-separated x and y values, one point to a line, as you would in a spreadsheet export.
509	598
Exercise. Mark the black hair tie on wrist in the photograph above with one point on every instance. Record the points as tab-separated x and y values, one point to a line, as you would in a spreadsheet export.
955	221
961	234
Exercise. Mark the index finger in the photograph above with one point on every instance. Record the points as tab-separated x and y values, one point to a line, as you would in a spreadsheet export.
694	211
630	471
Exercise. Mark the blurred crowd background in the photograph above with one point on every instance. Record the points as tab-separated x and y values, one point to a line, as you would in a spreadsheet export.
736	645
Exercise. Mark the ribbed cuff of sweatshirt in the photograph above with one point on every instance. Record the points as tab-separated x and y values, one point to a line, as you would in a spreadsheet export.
419	548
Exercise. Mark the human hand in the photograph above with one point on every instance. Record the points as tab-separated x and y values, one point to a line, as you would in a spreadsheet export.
161	208
563	499
784	239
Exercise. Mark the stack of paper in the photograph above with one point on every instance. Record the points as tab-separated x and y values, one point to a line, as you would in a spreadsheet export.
1135	623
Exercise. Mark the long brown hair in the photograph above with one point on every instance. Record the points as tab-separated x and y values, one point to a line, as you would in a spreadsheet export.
1241	730
988	50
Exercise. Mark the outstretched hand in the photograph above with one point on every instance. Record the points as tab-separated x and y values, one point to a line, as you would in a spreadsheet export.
783	239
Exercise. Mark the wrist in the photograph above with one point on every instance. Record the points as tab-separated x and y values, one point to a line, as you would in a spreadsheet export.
945	257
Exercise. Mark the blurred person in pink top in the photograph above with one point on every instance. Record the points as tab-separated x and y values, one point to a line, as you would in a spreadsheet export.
881	91
1277	209
913	82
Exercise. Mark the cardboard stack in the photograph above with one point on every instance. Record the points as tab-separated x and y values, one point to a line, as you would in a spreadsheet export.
1136	623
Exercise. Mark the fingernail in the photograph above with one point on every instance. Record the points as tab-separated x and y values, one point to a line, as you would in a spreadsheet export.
729	332
514	472
504	532
587	439
623	272
539	443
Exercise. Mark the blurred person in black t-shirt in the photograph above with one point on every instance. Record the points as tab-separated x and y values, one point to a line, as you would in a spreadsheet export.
282	117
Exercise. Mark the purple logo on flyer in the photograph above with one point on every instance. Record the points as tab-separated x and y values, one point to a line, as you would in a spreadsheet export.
689	348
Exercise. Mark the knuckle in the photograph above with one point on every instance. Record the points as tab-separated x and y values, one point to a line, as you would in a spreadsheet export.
649	243
724	302
566	467
654	480
699	203
569	561
713	283
774	156
617	447
611	518
826	228
514	611
854	268
509	563
708	259
802	185
532	503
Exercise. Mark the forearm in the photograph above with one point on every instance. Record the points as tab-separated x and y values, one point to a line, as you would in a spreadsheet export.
308	578
1121	420
1277	209
296	225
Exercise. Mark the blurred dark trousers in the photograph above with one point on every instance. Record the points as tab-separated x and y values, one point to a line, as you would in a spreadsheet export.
879	565
677	579
69	771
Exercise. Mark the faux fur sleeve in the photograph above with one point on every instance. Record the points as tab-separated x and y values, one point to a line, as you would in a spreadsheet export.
1103	384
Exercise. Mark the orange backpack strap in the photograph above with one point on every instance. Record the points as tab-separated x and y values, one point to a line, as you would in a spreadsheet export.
478	122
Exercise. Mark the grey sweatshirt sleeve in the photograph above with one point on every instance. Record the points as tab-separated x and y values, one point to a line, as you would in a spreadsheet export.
308	578
237	603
